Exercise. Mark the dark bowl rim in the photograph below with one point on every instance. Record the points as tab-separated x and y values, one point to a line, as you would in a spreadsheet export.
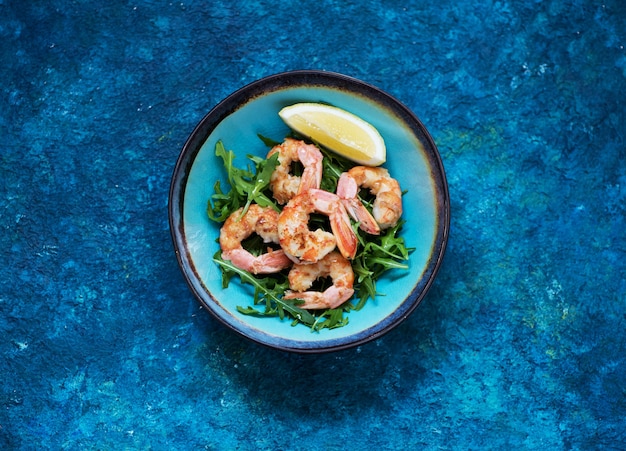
282	80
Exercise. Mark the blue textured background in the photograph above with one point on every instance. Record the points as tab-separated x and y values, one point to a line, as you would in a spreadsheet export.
520	343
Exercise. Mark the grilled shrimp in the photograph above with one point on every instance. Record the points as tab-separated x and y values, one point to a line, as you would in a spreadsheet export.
284	185
301	277
387	207
262	221
303	245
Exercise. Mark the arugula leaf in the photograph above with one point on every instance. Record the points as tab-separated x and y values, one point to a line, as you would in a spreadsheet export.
269	142
378	255
334	319
265	291
247	187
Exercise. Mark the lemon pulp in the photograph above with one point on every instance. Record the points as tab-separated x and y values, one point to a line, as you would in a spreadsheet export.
338	130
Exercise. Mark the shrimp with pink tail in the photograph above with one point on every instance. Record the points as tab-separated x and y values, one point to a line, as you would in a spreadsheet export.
237	227
333	265
303	245
285	185
387	207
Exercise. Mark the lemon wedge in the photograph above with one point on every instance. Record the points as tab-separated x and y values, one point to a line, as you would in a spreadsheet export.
338	130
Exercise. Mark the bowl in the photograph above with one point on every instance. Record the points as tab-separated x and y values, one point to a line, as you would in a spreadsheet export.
412	158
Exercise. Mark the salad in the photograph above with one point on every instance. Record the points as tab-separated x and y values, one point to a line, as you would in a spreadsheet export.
310	230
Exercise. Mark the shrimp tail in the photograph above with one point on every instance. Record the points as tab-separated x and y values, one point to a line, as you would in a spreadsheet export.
330	204
338	295
347	190
333	297
347	241
311	159
268	263
359	213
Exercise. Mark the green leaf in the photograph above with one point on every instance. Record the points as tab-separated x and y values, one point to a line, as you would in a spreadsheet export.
247	186
331	319
378	255
265	168
265	291
269	142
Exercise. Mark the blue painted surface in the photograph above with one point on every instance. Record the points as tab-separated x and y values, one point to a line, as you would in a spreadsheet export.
521	341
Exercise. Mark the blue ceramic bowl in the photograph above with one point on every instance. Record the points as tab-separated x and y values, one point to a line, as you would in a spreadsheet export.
412	158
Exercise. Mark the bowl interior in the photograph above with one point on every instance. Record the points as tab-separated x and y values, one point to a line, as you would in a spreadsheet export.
412	159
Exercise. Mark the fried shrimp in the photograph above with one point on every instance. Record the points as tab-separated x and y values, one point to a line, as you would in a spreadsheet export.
303	245
263	222
333	265
285	185
387	207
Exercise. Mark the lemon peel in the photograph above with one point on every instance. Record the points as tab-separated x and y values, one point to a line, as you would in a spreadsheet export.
338	130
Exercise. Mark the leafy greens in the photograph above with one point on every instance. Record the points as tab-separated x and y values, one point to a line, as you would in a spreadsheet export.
377	254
